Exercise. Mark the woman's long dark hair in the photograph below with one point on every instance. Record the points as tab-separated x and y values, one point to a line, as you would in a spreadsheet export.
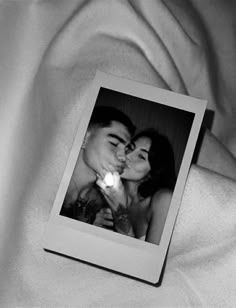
162	163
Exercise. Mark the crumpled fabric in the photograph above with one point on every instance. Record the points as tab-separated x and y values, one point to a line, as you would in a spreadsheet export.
49	53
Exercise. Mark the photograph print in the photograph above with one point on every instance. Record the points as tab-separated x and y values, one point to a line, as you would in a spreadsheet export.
127	167
125	176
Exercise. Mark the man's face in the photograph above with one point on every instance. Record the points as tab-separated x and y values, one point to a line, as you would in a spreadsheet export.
105	148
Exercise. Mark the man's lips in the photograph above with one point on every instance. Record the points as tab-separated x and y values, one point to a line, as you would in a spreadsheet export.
127	166
117	168
120	169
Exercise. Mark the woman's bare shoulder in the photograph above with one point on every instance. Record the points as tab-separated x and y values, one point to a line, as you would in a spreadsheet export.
161	199
162	193
159	208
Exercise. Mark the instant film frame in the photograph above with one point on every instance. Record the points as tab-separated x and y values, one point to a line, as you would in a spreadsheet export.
105	248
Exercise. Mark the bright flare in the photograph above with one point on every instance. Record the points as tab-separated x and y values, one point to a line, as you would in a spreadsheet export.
108	179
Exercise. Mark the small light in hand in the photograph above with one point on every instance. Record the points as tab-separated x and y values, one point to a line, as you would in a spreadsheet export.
108	179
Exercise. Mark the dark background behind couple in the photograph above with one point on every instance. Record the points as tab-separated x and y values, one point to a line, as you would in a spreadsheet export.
172	122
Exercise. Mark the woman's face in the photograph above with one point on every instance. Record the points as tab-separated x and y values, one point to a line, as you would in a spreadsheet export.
137	162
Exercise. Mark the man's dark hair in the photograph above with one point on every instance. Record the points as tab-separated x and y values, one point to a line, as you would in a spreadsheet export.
162	163
104	115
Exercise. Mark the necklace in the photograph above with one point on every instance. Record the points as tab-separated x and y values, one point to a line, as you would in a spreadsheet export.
81	202
80	208
85	207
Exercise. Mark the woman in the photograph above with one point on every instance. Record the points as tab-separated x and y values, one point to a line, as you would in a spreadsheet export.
139	200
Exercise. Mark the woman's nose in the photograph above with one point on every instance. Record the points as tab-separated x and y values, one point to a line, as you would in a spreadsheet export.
130	157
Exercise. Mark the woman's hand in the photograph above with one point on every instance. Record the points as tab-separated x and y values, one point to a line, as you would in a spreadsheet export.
104	218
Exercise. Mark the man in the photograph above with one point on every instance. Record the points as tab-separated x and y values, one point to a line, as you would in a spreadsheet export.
102	151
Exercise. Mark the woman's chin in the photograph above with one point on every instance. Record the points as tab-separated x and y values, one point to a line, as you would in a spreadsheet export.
123	175
127	174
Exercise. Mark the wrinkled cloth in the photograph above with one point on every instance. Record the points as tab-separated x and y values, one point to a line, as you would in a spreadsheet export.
49	53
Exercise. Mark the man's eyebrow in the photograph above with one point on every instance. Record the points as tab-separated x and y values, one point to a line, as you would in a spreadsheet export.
144	150
117	137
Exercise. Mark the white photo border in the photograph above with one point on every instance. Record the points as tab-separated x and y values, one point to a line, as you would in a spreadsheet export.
102	247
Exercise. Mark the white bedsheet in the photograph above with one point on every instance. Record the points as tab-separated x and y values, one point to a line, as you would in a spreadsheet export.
49	52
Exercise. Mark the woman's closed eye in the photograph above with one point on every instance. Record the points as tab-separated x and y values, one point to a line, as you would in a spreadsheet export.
140	156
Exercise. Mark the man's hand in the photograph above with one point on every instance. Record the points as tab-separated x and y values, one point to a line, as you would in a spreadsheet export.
113	190
116	197
104	218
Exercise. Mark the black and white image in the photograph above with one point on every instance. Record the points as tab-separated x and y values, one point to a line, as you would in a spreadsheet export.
125	176
126	170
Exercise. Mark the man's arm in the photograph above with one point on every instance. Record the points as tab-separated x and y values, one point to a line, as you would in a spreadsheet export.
122	223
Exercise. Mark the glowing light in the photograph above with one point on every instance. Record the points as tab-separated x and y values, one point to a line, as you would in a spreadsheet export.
108	179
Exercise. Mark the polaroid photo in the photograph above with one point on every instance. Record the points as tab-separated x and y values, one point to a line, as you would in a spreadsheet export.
119	196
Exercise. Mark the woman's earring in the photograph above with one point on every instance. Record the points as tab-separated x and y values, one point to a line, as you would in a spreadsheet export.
83	145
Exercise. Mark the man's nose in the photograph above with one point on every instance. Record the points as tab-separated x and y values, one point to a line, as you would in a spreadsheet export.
121	155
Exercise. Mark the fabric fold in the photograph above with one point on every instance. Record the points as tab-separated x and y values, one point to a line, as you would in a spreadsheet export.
49	53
